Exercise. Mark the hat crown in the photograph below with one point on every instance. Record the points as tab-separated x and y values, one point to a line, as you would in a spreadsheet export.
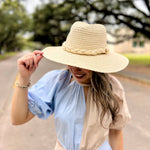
86	47
89	39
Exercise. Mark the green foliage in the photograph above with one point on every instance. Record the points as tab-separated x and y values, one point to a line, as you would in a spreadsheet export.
138	59
53	20
14	21
7	55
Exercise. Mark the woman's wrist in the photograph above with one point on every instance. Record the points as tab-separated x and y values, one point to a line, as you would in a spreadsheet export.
22	86
23	81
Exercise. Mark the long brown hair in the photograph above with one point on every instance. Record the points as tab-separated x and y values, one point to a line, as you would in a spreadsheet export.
103	95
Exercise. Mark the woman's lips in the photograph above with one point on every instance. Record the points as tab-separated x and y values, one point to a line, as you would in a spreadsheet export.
79	76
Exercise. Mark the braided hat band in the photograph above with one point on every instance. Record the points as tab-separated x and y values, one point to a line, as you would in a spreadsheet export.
85	52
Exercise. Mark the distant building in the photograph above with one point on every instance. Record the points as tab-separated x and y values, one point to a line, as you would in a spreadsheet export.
139	45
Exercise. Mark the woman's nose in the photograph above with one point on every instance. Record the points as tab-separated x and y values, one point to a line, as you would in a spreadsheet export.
76	69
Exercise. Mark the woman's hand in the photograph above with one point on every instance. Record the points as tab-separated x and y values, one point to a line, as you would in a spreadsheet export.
28	64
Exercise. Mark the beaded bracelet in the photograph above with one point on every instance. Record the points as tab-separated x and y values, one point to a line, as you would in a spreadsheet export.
23	86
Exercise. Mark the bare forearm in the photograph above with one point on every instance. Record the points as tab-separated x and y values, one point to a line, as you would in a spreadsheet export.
26	66
116	139
19	110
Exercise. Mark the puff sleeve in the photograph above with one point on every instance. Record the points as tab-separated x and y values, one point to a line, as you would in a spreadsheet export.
123	115
41	96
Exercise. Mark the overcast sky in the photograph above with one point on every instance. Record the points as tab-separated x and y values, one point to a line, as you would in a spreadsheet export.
30	5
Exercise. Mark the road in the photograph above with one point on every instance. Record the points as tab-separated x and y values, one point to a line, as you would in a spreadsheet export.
137	132
40	134
7	75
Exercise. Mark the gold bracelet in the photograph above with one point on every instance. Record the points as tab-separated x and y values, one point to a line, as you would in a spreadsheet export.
23	86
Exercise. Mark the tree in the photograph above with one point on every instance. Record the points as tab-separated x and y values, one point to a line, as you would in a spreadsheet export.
13	21
123	13
53	20
116	13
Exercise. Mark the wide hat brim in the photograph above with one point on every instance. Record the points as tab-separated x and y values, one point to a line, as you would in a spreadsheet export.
104	63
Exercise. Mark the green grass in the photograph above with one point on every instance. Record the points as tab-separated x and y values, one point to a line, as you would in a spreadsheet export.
7	54
138	59
135	59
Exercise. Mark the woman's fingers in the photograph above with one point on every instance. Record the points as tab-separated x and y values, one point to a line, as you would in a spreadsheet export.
35	61
27	63
37	52
31	66
37	57
31	61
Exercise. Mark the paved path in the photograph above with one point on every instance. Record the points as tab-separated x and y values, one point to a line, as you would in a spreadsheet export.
8	71
137	132
7	75
38	134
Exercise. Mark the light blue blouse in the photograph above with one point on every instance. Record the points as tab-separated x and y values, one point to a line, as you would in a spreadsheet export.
54	94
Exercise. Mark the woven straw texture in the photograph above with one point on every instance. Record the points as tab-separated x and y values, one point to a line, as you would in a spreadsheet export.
86	47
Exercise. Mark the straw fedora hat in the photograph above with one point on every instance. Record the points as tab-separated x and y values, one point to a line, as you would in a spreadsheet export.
86	47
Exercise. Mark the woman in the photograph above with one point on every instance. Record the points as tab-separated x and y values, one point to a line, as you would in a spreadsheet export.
88	103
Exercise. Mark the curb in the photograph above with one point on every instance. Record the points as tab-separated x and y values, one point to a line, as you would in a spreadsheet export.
137	79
